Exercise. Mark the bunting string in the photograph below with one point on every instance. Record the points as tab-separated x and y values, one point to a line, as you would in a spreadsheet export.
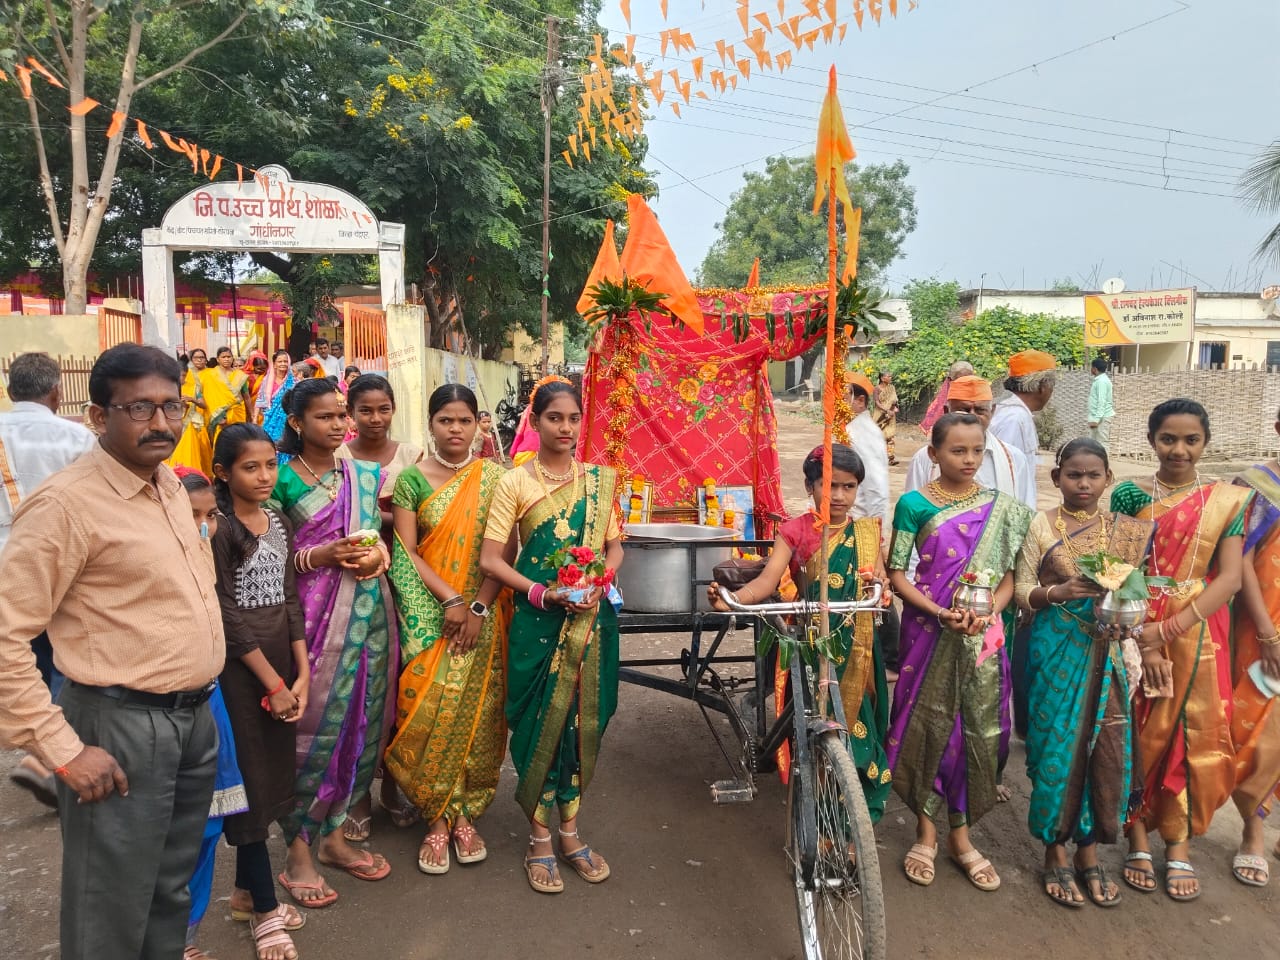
204	162
768	42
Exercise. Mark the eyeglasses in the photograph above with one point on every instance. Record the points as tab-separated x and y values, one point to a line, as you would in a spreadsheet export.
144	410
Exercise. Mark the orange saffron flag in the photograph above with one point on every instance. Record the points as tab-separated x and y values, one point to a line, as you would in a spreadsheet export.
834	150
754	279
648	259
606	267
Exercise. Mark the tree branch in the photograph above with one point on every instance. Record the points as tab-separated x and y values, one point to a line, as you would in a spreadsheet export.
282	268
179	64
57	35
46	179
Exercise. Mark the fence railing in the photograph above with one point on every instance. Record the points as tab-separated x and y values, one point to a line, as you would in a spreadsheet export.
364	337
118	326
75	382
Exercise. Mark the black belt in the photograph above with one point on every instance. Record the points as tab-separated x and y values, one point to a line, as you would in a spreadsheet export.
182	700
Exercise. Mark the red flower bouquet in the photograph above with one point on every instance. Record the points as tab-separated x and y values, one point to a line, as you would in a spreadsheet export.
579	569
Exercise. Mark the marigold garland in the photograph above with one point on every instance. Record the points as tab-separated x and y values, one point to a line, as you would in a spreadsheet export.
622	398
844	413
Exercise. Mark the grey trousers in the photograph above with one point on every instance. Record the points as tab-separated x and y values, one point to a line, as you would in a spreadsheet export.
126	861
1102	432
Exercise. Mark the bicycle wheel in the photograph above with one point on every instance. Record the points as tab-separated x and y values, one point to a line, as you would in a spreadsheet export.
840	903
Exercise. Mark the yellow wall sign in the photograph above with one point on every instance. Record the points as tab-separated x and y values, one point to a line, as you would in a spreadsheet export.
1145	316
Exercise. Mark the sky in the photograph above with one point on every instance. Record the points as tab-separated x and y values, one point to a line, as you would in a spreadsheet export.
1046	140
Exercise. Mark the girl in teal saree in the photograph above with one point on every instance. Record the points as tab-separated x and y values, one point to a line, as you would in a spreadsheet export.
1079	736
562	671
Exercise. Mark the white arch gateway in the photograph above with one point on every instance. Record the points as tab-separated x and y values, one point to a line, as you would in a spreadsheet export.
268	212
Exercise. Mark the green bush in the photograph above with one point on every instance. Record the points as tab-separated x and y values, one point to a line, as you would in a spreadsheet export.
938	339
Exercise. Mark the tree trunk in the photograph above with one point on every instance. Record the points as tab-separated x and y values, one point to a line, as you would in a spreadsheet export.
809	360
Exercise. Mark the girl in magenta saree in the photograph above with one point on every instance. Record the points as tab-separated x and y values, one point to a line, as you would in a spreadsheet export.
949	726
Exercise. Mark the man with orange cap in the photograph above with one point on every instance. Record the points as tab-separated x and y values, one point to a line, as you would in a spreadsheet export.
1003	467
1032	375
868	442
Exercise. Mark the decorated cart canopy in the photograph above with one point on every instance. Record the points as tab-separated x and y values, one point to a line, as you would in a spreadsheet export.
677	408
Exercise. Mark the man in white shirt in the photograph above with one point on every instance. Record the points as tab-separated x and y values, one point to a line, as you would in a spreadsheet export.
332	365
868	443
35	443
1032	375
1003	467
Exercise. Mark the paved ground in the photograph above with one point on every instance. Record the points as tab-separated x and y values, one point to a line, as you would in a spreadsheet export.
691	880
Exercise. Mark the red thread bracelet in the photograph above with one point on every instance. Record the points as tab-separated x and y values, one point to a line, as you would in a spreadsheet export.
61	772
266	701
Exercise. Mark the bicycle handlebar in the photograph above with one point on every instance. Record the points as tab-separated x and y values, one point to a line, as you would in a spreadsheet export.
868	605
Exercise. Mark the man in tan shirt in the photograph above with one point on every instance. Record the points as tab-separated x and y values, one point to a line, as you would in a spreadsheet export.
105	556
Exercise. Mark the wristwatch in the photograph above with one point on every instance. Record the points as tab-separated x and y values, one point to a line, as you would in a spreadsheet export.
479	609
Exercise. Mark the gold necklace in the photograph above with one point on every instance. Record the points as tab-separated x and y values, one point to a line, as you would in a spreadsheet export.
1182	589
556	477
1067	545
945	498
1081	516
1170	489
331	489
562	529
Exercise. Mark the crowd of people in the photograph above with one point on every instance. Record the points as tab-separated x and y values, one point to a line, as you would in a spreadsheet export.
304	604
252	645
1130	730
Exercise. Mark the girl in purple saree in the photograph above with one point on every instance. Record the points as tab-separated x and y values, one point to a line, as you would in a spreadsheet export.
949	726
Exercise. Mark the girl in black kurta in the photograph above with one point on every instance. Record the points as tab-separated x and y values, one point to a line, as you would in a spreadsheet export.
266	677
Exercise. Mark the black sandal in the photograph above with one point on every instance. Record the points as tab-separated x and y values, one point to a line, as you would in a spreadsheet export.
1096	873
1064	879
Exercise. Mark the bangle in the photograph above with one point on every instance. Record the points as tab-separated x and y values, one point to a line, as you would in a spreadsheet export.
1196	611
456	600
302	561
1270	641
1048	595
537	594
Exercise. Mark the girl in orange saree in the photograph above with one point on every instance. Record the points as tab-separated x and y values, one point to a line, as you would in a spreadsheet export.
1255	723
1183	712
451	733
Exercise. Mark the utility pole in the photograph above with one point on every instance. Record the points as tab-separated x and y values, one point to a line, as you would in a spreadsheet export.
550	83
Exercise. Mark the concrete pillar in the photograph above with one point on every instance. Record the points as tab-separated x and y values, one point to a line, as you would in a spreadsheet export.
160	326
391	263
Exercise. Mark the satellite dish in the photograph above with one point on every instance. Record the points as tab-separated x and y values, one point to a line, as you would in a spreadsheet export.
1114	285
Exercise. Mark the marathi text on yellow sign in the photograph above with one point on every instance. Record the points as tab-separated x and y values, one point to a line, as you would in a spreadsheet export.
1146	316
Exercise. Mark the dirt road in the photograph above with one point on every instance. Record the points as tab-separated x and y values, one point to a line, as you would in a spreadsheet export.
690	879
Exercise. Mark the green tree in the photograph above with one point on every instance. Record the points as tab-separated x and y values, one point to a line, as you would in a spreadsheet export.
444	132
939	338
771	218
1260	187
112	51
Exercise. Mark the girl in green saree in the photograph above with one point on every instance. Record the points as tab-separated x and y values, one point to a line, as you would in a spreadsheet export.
562	668
854	559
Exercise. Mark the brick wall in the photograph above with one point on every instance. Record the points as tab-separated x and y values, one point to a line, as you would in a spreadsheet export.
1242	407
